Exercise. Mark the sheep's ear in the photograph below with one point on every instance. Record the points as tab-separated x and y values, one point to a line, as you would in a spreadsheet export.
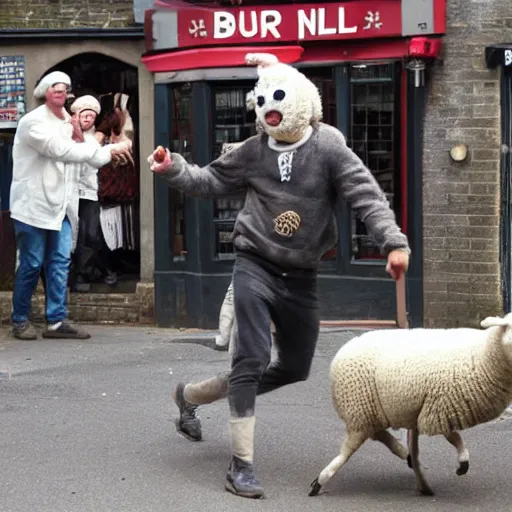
496	321
263	60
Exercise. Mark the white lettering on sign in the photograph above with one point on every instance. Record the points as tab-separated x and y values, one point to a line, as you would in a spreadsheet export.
270	20
322	29
372	20
341	23
197	29
225	24
315	27
244	31
304	22
508	57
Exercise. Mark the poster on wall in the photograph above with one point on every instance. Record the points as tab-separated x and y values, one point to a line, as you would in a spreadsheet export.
12	90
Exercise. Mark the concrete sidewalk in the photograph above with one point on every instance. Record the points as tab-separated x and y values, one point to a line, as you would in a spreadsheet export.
87	426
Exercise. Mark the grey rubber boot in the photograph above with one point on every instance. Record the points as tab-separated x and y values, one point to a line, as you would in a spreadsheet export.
188	397
188	424
241	481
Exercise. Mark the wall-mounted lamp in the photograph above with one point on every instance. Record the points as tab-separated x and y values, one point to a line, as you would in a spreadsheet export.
459	152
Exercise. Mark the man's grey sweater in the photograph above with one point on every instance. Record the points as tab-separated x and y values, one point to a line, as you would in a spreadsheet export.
322	169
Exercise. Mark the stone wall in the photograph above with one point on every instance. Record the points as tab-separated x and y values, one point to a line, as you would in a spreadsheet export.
108	308
66	13
461	200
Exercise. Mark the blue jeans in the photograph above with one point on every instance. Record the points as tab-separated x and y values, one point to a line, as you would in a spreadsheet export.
37	248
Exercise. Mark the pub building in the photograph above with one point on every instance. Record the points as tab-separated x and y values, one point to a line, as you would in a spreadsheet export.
499	57
370	60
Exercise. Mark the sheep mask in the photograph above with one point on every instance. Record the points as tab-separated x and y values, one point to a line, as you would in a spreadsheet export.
285	101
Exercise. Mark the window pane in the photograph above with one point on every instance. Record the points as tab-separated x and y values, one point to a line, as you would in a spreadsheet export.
372	137
323	79
181	142
232	123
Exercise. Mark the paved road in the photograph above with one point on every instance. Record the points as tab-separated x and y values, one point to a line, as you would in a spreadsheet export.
87	426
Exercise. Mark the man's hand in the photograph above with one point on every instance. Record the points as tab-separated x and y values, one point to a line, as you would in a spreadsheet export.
78	135
122	152
398	263
156	164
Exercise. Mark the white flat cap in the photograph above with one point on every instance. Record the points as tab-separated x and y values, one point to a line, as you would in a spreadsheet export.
55	77
86	103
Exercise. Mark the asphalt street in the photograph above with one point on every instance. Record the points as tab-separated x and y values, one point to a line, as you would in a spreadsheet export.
88	426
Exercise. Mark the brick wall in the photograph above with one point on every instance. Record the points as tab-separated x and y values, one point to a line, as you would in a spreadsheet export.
65	13
461	201
102	308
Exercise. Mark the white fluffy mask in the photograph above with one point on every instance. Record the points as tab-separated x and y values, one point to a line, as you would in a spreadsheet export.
285	101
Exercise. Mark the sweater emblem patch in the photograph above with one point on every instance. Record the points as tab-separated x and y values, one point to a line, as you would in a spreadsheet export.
287	223
284	161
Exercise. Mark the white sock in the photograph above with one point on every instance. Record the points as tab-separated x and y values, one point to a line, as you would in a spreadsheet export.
241	434
54	327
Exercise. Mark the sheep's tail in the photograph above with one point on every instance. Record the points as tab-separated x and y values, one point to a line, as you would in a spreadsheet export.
496	321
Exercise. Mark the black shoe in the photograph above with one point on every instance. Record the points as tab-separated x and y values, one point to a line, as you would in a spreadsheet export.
188	424
111	278
24	331
80	287
34	318
66	331
241	481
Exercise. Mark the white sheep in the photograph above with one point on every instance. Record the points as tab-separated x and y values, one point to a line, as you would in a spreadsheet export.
428	381
225	340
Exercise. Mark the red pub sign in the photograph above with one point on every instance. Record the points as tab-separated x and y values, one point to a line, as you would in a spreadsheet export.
290	22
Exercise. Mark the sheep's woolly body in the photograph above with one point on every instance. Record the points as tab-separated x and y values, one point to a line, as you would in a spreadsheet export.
439	380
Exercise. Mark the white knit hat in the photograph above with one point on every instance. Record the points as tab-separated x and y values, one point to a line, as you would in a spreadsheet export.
86	103
55	77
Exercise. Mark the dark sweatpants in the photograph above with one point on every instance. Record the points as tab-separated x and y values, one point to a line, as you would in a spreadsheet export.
264	291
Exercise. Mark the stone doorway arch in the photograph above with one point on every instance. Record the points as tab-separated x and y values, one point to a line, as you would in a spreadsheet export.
107	78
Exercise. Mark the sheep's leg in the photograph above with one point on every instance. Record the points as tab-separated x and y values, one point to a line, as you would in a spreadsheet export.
350	445
455	439
414	451
392	443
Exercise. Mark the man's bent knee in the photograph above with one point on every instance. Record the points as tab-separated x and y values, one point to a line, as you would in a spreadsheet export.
291	375
247	370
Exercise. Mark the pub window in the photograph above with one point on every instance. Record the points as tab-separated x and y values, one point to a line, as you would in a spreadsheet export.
324	80
373	137
181	142
231	123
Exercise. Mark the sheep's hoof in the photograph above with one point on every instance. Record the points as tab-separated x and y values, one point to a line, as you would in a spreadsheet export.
409	461
463	468
314	488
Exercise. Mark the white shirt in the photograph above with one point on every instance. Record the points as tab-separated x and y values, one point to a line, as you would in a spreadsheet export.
42	188
88	183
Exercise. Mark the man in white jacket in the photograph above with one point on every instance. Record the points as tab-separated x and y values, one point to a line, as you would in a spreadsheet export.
43	197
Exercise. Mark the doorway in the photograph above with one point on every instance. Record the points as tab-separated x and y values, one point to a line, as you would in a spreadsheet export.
115	84
7	242
506	189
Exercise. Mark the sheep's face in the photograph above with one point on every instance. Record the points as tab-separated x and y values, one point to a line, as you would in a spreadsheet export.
285	101
506	321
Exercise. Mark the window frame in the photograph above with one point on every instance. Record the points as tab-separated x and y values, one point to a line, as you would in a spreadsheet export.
376	267
247	86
